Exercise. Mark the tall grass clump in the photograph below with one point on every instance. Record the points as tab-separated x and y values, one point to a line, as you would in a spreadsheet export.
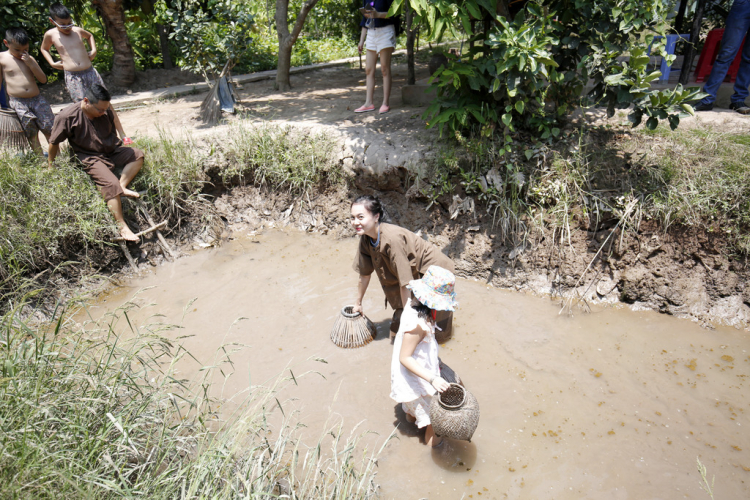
173	176
45	216
697	177
281	158
99	411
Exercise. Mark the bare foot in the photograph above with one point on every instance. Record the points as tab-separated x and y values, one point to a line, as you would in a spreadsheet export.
127	234
129	193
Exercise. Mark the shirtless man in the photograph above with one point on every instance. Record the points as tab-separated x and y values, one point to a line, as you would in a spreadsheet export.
89	128
75	60
20	72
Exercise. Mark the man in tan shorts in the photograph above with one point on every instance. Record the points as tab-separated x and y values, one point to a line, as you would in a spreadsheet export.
89	128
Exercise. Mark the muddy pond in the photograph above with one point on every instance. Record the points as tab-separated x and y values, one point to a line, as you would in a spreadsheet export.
613	404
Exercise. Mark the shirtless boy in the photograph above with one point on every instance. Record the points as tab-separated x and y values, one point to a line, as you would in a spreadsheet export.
75	60
20	72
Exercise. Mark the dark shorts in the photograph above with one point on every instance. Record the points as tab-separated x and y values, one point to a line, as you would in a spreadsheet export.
101	169
78	82
34	113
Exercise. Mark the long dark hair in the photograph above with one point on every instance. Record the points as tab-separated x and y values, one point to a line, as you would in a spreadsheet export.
423	311
373	205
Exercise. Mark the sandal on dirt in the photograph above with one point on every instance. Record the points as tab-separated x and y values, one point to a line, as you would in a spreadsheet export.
365	109
384	109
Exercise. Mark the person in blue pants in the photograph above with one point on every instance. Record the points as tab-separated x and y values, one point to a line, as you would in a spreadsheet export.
738	24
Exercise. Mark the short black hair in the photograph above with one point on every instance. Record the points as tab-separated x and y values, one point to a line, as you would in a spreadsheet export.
97	93
17	35
59	11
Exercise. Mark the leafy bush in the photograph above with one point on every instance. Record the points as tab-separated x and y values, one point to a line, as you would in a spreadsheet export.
209	35
528	74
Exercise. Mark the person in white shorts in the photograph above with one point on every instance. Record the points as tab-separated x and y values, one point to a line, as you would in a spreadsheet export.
379	34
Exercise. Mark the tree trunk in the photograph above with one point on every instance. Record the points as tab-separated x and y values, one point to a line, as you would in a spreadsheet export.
284	65
687	63
287	39
123	62
166	57
680	19
411	77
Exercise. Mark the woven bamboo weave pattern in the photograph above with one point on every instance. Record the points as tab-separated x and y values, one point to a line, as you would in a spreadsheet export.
12	135
352	329
454	413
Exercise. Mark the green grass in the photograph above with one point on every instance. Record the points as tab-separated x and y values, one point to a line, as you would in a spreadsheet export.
281	158
698	177
693	177
46	217
98	411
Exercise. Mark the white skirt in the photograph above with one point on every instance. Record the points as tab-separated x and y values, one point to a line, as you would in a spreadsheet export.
420	409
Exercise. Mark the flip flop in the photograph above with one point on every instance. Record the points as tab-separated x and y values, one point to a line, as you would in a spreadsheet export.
365	109
384	109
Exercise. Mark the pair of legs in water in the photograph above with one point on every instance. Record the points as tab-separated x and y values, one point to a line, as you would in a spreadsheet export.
430	438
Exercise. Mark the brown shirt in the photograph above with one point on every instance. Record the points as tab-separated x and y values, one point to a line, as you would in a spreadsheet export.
401	256
85	135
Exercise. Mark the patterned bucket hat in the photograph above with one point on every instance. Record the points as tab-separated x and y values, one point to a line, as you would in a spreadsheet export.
436	289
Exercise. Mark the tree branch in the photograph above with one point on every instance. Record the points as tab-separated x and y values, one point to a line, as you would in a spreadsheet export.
303	12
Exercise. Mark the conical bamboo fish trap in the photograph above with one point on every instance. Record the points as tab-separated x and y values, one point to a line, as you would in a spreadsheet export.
12	135
352	329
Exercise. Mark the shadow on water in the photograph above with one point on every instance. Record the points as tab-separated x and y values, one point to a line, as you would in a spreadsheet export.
455	456
406	428
383	329
451	455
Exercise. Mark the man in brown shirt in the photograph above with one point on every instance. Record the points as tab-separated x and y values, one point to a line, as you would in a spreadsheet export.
89	128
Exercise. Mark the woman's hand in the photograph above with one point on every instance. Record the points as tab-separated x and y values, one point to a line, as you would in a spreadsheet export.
440	384
361	46
357	308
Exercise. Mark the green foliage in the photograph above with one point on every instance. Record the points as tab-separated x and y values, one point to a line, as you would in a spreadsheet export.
209	35
528	74
441	16
331	19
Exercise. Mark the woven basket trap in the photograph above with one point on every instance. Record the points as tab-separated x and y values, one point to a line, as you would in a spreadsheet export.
12	135
352	329
454	413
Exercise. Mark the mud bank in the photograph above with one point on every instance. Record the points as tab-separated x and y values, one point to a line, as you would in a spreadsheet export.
688	274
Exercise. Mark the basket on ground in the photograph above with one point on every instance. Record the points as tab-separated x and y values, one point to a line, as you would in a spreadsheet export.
352	329
12	135
454	413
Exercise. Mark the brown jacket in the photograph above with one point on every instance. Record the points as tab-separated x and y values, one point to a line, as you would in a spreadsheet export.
401	256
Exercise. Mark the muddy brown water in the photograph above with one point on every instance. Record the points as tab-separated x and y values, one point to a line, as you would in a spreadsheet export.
611	404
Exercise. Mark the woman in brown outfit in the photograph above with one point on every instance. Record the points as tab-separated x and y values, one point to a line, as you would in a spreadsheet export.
397	255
